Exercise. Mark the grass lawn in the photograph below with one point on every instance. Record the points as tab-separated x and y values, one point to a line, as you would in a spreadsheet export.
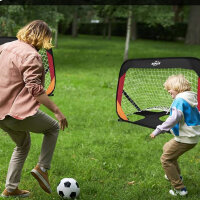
102	154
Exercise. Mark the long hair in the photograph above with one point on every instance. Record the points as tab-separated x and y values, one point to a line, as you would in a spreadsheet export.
36	33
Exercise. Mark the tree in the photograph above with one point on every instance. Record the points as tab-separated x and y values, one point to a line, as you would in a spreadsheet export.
67	12
73	15
128	33
57	17
11	18
50	14
133	28
193	30
107	14
154	15
178	10
151	15
75	23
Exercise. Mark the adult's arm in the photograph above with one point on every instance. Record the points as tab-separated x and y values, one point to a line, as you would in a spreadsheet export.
32	71
47	102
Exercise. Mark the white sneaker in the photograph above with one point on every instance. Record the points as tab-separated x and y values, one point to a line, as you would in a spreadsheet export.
168	179
181	192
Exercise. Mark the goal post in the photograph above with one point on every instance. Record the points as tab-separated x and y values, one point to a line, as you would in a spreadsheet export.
141	98
49	67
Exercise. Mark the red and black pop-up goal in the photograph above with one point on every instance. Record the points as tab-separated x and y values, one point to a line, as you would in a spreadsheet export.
141	98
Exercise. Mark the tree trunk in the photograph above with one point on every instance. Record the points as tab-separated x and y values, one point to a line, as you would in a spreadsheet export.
75	23
56	29
109	28
128	33
177	10
133	29
56	36
104	30
193	30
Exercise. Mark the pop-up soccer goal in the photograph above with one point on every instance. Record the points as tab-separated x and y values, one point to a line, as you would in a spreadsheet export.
141	98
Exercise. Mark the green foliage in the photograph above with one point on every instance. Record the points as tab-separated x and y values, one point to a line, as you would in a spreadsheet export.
150	14
14	10
106	12
15	16
49	14
154	14
11	18
84	13
110	160
122	11
185	13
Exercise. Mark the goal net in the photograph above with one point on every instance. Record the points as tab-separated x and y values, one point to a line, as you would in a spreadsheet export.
140	87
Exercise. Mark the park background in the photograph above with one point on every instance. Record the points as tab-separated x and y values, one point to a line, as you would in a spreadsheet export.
110	160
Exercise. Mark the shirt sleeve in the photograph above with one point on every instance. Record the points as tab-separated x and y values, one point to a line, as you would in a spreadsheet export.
170	122
32	70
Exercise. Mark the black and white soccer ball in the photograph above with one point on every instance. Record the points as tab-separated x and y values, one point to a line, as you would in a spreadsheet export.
68	188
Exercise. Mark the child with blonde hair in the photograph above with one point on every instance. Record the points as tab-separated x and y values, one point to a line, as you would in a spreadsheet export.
184	124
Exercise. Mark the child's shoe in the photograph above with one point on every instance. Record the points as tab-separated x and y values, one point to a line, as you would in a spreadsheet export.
181	192
15	193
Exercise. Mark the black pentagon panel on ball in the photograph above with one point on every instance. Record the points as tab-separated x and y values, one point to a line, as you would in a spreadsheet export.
77	185
73	195
61	193
67	184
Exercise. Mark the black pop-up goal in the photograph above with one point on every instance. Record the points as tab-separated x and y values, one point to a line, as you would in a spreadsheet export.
141	98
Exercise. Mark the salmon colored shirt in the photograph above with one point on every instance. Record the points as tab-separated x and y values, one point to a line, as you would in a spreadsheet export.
21	79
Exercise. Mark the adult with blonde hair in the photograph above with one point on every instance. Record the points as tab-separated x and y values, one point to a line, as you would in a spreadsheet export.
22	92
184	124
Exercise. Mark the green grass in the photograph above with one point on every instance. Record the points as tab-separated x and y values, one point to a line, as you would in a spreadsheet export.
102	154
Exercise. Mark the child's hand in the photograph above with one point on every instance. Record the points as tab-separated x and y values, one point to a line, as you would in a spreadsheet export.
152	136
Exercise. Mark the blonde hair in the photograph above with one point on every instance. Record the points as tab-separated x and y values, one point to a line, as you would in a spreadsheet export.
36	33
178	83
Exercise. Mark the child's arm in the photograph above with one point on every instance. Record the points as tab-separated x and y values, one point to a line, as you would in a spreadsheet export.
170	122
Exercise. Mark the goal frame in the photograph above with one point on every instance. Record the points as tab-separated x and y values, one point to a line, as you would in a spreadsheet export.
151	119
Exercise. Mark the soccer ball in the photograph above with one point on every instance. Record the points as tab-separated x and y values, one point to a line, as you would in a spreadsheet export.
68	188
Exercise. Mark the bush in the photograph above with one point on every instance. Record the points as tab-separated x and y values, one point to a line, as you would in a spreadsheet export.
144	31
159	32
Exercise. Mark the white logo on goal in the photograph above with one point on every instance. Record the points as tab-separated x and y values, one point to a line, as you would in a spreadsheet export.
156	63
